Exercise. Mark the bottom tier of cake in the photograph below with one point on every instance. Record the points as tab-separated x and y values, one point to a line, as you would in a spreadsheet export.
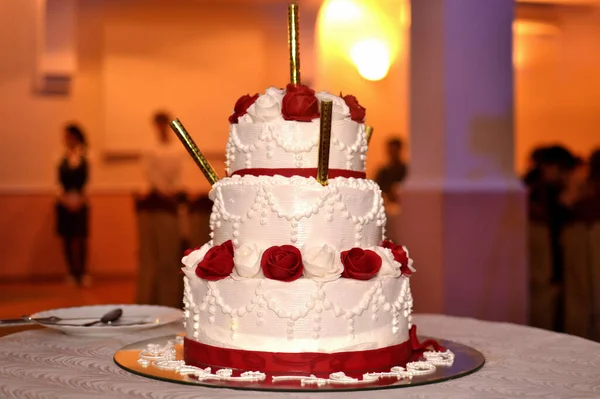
299	326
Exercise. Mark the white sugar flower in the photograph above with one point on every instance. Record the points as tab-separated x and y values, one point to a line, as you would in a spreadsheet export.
267	107
321	263
410	261
389	267
246	260
340	109
192	259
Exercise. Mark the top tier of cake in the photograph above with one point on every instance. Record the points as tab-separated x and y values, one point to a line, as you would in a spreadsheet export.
279	131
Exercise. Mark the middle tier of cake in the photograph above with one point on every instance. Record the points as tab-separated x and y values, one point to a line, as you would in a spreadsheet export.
276	210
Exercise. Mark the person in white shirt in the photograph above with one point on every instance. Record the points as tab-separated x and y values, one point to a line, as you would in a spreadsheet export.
163	160
158	211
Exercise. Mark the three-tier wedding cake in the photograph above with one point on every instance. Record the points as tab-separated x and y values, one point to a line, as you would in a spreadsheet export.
298	276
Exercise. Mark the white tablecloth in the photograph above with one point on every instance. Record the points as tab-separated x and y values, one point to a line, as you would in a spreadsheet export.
521	362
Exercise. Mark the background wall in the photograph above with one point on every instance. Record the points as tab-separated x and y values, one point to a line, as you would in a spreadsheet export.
386	100
557	84
194	58
101	97
170	59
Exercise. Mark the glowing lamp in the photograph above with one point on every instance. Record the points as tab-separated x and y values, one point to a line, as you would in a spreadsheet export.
364	33
342	11
372	59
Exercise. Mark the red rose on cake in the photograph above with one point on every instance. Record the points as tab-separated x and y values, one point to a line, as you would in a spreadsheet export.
282	263
357	111
217	263
401	256
299	104
241	106
360	264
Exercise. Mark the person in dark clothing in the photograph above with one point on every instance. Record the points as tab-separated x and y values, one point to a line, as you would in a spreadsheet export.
582	196
556	166
533	174
72	210
594	169
547	180
581	240
533	180
394	172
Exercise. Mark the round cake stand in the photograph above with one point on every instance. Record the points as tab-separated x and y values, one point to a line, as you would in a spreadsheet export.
466	361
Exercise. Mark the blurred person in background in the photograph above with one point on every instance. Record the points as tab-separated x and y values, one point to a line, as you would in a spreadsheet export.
593	183
389	178
72	209
533	174
159	210
581	240
394	172
163	165
535	185
577	184
556	165
547	179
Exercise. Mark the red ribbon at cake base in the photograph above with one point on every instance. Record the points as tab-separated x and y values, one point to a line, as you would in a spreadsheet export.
302	172
202	355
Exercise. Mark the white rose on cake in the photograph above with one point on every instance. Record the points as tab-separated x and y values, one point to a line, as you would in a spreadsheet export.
194	257
340	109
321	263
246	260
274	91
389	267
267	107
409	263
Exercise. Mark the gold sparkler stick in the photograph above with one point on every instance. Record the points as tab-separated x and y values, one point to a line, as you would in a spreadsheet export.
192	148
294	43
369	133
324	141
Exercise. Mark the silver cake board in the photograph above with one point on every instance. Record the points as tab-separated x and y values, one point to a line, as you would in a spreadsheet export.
466	361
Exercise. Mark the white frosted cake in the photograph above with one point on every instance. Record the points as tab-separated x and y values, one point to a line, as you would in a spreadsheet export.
297	276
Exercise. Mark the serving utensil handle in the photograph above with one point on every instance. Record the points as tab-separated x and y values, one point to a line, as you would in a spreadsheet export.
15	322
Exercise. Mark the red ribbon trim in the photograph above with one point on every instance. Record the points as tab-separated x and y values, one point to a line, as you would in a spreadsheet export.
302	172
418	348
375	360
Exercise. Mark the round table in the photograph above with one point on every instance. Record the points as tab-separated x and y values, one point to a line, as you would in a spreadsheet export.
521	362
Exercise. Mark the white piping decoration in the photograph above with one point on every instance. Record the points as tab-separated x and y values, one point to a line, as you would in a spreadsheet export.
443	359
164	358
229	151
222	374
264	204
318	304
291	143
340	378
187	300
408	305
420	368
156	352
412	369
359	145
